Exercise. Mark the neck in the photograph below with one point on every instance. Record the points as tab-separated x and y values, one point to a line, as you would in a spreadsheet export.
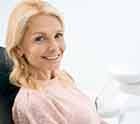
43	74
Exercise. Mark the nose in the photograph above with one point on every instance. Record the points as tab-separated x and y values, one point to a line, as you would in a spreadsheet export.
53	46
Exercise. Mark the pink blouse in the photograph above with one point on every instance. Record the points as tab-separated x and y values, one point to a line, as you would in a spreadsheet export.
55	105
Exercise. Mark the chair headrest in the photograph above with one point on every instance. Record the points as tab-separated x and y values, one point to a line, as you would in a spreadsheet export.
5	63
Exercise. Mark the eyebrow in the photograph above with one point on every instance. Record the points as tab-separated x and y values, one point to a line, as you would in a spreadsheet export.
45	33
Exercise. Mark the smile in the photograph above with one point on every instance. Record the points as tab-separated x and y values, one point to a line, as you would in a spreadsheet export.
51	57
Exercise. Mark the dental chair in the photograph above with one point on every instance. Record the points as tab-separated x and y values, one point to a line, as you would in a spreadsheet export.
119	102
7	90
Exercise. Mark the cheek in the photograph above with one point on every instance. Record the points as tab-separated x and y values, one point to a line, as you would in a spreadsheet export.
62	46
32	54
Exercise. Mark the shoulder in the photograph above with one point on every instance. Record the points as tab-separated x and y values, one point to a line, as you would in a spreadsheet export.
20	106
31	106
24	99
29	100
67	78
34	106
68	75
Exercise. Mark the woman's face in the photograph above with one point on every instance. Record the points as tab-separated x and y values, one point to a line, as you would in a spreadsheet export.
43	42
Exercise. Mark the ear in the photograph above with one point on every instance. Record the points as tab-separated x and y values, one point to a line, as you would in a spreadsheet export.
19	51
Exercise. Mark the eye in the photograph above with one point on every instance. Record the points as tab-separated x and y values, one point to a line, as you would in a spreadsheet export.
59	35
39	39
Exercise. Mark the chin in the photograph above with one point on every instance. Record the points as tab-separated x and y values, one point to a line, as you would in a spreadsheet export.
53	66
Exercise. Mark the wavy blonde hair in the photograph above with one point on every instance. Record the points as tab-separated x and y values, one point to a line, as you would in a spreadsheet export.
18	21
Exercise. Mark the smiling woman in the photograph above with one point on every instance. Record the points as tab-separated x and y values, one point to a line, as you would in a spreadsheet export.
40	28
43	44
47	95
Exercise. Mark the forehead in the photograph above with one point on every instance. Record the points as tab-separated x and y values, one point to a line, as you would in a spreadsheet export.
44	23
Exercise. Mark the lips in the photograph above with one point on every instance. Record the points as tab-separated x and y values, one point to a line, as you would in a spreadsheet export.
51	57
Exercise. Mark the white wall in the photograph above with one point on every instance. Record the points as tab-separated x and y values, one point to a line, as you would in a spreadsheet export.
99	33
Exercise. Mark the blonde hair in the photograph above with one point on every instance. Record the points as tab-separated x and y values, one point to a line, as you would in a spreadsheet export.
20	75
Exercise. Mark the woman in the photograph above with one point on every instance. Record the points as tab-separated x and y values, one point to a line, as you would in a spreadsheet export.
47	95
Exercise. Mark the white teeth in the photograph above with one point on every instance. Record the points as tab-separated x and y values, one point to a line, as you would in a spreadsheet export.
52	57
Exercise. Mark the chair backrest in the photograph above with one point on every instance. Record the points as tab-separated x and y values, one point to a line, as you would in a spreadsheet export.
7	90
